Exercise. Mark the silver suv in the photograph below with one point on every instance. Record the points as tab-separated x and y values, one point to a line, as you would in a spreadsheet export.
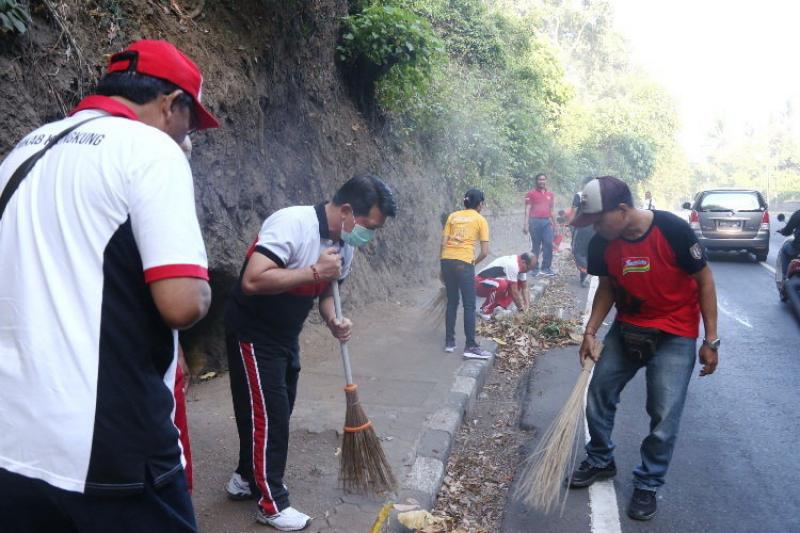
731	219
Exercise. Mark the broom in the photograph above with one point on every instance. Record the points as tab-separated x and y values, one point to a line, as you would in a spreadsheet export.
542	483
362	466
435	309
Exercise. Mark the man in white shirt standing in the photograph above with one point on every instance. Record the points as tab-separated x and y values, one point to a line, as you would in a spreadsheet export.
101	262
648	203
299	253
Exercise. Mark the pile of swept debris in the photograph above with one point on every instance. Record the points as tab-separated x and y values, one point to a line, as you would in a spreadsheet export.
487	450
520	338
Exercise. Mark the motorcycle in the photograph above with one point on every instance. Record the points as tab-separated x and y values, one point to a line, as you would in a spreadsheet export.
788	283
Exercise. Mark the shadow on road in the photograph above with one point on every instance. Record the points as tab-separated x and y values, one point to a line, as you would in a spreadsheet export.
731	257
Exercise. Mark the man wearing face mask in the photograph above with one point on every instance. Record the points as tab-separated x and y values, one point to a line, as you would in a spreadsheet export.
102	261
298	253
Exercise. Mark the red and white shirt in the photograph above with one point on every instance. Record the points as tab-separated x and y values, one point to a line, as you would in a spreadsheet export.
293	238
87	365
509	267
652	275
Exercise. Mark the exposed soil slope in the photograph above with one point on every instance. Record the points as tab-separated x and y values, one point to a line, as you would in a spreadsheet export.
290	133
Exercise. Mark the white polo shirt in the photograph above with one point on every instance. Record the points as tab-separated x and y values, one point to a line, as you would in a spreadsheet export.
86	362
293	238
507	266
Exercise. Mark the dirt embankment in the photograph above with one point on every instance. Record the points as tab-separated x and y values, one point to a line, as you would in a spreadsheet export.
290	133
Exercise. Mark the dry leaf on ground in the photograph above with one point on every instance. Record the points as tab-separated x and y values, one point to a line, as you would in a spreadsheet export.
420	519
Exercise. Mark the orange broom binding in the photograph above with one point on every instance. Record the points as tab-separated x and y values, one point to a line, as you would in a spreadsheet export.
362	427
363	466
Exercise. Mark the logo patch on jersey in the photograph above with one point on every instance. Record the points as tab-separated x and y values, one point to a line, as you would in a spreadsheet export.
635	264
696	251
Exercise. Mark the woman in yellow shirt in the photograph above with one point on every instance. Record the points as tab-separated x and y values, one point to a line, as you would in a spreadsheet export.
462	231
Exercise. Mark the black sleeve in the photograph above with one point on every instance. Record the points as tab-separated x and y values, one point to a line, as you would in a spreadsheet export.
493	272
576	200
793	224
690	254
596	264
265	251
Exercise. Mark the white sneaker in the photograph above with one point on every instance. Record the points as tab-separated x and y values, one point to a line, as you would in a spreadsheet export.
450	348
290	519
484	316
476	352
238	488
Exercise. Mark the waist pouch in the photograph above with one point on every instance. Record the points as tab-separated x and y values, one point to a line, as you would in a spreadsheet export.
638	342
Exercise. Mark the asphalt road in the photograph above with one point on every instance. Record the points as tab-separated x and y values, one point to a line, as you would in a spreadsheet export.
734	465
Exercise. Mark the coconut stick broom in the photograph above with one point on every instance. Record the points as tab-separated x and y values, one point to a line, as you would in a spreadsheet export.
363	467
435	309
542	484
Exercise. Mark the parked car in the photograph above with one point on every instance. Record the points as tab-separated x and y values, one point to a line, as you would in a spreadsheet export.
731	219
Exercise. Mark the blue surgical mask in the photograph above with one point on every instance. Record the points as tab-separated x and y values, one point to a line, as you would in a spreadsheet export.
360	236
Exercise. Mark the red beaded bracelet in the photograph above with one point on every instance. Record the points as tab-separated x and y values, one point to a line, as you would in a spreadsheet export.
315	273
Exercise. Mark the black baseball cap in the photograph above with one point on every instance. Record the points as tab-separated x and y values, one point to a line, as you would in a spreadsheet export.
599	196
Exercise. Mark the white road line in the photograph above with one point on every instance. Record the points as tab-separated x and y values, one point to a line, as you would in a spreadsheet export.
602	495
725	312
767	266
603	503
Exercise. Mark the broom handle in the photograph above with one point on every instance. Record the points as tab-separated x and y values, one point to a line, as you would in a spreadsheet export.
337	305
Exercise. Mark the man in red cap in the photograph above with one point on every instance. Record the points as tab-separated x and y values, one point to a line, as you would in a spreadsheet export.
651	267
102	261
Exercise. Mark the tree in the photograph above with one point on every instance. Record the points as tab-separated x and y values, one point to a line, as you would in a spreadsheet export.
528	86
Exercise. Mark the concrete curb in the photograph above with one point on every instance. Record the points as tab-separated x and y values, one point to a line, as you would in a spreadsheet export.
441	428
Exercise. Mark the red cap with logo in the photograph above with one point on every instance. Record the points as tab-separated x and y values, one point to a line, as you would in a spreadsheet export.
163	60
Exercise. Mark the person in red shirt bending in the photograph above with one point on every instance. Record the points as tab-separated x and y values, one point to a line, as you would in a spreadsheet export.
652	268
539	222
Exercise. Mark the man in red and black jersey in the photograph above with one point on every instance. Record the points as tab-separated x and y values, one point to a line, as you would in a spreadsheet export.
651	267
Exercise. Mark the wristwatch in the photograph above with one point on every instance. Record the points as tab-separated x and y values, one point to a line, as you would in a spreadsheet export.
714	345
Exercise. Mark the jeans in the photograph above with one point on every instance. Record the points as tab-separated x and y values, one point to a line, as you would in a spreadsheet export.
668	372
541	231
459	277
789	251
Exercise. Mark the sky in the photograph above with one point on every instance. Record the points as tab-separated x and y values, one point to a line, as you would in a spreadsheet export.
738	60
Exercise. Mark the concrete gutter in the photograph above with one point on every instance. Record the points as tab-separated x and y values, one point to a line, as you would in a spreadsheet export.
441	428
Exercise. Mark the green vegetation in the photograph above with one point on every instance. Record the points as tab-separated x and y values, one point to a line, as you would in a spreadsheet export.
389	42
497	91
13	17
766	158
